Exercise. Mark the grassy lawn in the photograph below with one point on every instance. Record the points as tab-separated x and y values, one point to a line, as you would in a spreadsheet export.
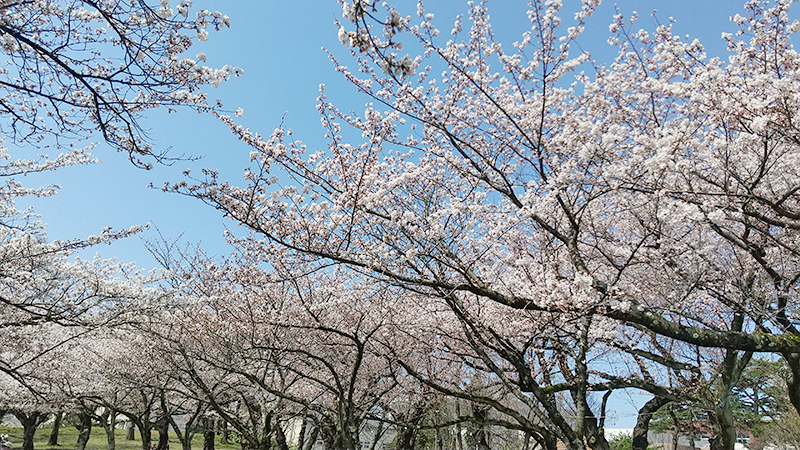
68	436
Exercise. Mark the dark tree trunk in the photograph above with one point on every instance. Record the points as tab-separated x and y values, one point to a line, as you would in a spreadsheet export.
191	421
643	422
793	383
480	435
328	434
376	439
408	430
732	367
27	437
208	439
593	428
108	420
130	431
458	442
53	440
84	427
145	428
550	442
29	423
111	438
406	438
223	438
726	438
162	426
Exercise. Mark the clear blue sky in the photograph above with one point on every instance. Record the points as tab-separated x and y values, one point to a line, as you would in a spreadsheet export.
278	44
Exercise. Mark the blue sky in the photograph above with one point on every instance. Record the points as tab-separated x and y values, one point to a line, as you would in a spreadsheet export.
279	46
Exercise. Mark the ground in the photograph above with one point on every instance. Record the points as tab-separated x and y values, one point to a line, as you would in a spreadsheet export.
68	436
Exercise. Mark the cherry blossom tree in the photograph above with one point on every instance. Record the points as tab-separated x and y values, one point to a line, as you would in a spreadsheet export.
77	67
48	300
658	191
266	347
29	409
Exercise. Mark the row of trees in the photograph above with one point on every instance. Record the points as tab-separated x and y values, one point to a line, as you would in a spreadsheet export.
290	361
502	248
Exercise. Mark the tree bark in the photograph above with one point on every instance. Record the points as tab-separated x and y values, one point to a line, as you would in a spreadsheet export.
643	422
29	423
53	440
84	427
162	426
130	431
726	439
480	435
223	438
108	420
208	439
458	443
144	431
793	383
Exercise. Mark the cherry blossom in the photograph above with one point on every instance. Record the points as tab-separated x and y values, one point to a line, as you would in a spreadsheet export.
77	67
657	192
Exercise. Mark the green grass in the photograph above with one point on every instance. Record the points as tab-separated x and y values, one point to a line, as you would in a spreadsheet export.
68	436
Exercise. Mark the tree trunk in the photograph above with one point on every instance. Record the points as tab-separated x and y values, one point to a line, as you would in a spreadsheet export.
144	431
84	427
406	438
677	434
793	383
549	442
208	439
111	438
108	420
480	435
53	440
162	426
223	438
27	437
329	437
130	431
376	438
595	436
732	367
29	423
726	439
408	430
643	422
